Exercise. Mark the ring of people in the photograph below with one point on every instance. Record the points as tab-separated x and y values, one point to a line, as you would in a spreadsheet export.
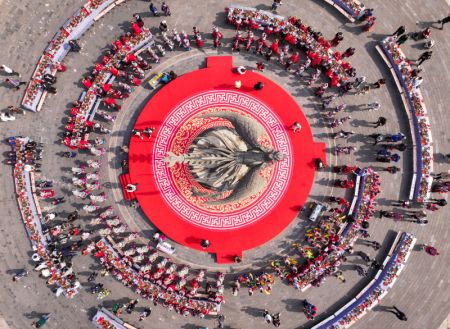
178	164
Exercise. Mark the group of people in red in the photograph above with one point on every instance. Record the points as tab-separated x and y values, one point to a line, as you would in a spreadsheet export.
291	33
126	69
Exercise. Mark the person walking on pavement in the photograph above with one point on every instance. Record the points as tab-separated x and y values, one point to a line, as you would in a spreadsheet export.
380	122
221	320
14	83
9	70
444	21
399	31
424	56
19	275
399	314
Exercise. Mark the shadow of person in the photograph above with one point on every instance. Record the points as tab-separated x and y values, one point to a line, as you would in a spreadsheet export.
34	315
425	24
253	311
381	308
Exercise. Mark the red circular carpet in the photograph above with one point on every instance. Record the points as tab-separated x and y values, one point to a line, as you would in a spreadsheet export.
190	184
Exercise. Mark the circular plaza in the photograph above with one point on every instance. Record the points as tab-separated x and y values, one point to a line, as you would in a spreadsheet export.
213	164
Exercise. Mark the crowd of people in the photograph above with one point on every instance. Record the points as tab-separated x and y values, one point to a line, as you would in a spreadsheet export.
420	127
291	35
119	64
157	279
139	267
377	289
53	248
142	268
329	243
58	47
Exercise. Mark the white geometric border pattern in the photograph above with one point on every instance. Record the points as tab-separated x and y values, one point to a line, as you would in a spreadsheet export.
265	202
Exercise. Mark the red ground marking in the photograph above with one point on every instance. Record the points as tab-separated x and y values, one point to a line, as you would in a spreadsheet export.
230	232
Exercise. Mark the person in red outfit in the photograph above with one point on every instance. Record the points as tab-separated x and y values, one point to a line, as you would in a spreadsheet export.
87	82
136	29
217	36
292	60
114	71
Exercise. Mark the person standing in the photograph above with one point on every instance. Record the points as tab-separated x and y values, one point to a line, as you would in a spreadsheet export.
9	70
130	188
148	131
145	313
380	122
370	24
399	31
276	4
339	276
373	106
165	9
276	319
237	84
349	52
260	66
259	85
131	305
381	82
337	39
296	127
153	9
431	250
205	244
267	317
359	81
424	56
402	39
74	46
137	133
444	21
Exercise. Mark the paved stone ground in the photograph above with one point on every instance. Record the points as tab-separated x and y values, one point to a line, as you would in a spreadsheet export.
422	291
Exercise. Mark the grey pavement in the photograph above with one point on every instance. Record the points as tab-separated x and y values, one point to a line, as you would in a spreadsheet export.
422	290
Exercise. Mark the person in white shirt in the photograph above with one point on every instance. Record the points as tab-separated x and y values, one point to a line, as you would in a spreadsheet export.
9	70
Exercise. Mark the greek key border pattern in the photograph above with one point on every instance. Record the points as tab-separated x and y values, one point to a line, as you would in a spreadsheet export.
261	207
